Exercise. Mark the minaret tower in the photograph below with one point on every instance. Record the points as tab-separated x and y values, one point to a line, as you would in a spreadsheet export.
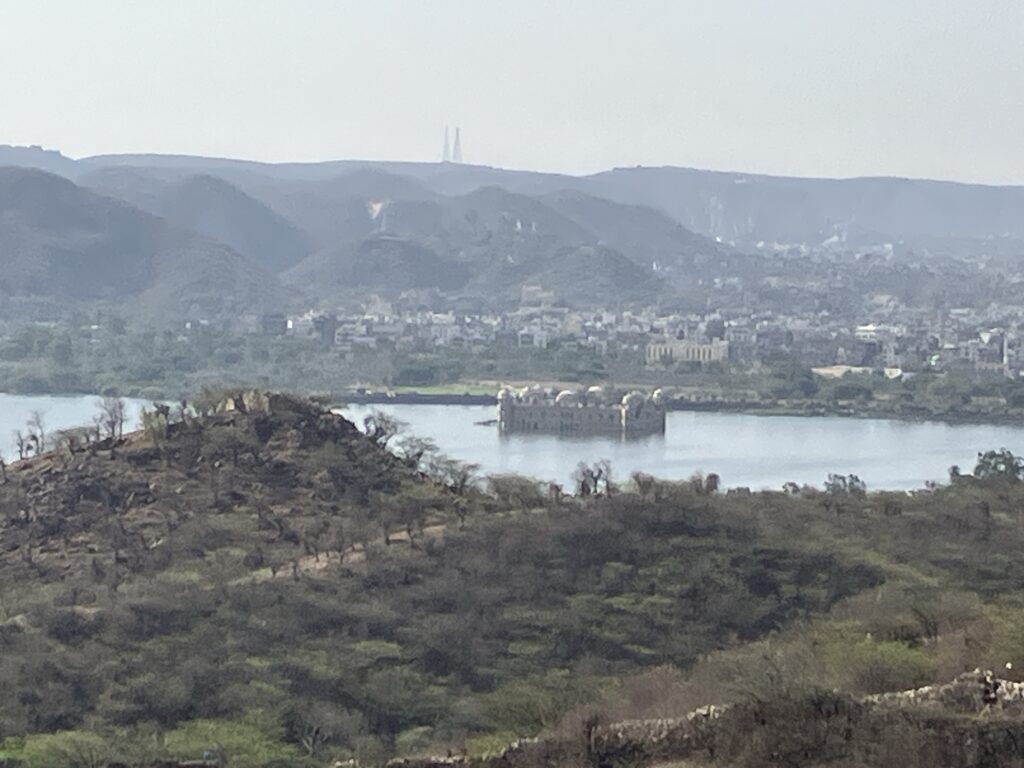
446	155
457	149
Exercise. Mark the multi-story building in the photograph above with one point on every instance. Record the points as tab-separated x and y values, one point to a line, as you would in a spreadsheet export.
669	351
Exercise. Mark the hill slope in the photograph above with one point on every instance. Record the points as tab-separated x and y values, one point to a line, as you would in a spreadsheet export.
209	206
645	235
267	581
384	264
61	241
748	208
48	160
487	243
251	575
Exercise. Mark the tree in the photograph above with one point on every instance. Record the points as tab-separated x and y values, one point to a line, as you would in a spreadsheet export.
455	475
382	427
37	431
835	485
415	449
856	487
21	443
515	491
318	724
112	416
845	485
591	478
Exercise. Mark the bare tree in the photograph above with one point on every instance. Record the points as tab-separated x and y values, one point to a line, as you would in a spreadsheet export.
112	416
416	451
382	427
456	475
585	480
318	725
591	478
604	468
37	431
21	443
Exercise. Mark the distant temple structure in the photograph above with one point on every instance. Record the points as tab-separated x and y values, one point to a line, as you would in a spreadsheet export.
580	413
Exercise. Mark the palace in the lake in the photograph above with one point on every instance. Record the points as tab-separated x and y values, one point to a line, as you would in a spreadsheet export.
572	413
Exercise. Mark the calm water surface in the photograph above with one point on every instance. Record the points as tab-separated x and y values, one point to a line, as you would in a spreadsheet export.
754	451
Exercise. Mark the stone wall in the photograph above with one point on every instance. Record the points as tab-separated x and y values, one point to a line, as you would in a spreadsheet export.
976	721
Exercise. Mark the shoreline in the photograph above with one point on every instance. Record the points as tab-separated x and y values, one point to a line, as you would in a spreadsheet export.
740	408
804	410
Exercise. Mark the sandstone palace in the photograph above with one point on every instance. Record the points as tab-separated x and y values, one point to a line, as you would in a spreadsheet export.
594	411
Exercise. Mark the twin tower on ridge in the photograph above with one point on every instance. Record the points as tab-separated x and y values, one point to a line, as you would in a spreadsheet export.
452	153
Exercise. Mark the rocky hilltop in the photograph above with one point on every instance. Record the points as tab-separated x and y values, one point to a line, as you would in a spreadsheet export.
103	507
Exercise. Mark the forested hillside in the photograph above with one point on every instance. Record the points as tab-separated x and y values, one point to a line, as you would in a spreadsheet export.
267	581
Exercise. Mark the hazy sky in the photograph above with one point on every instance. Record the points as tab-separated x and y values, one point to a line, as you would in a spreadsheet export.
930	88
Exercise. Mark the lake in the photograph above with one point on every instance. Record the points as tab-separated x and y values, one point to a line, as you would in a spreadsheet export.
754	451
58	413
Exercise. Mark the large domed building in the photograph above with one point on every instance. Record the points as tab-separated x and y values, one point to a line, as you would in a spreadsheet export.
582	412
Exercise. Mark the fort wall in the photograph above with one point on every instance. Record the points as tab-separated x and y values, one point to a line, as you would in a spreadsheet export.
973	722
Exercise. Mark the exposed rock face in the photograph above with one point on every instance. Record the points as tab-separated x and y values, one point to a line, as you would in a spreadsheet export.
975	721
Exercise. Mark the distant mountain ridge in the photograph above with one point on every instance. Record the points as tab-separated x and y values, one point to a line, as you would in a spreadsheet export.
733	206
336	230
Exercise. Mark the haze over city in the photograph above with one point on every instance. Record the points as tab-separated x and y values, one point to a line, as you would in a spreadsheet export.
795	87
